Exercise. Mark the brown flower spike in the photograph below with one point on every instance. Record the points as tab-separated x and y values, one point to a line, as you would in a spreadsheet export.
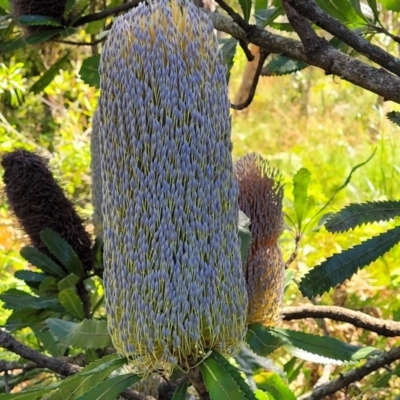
260	198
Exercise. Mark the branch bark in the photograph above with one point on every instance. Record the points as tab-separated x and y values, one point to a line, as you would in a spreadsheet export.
332	61
354	375
360	320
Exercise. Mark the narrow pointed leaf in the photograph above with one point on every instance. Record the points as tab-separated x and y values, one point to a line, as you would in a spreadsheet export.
15	299
72	303
50	74
261	341
62	251
181	390
69	281
74	386
219	383
38	20
228	50
34	394
320	349
31	278
245	5
355	215
235	374
272	383
110	388
342	266
87	334
281	65
41	261
300	193
394	116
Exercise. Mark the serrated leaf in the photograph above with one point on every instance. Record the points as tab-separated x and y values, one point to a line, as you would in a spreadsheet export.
41	261
89	71
301	180
342	266
180	391
49	75
249	361
274	385
26	317
235	374
62	251
244	235
245	5
72	303
49	286
261	341
219	383
228	50
69	281
48	341
281	65
110	388
320	349
15	299
34	394
394	116
355	215
265	17
33	279
90	376
38	20
87	334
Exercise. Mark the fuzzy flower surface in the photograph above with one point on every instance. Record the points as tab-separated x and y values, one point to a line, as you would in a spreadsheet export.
260	198
173	278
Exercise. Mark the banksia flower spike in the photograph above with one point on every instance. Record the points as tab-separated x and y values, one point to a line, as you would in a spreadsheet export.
95	164
260	198
39	203
173	278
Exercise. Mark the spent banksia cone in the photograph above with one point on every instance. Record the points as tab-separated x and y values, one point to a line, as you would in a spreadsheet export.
173	277
260	198
38	203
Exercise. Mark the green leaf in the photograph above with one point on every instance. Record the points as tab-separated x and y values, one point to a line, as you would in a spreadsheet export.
49	75
300	194
281	65
260	5
392	5
110	388
49	286
260	395
71	302
48	341
244	235
235	374
228	52
245	5
394	116
74	386
261	341
69	281
33	279
15	299
27	317
34	394
320	349
41	261
38	20
372	4
89	71
342	266
180	391
62	251
219	383
5	5
274	385
265	16
358	214
87	334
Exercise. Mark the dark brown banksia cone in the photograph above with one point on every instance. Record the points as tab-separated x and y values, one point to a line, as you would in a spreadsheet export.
38	203
260	198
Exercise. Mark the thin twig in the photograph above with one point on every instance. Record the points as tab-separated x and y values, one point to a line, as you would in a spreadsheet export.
252	92
246	50
355	375
71	42
234	15
359	319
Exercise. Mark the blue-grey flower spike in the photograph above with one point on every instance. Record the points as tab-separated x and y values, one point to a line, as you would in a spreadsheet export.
173	278
95	164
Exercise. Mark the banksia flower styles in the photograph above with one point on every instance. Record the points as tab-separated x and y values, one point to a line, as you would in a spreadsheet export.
173	278
95	164
260	198
38	203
